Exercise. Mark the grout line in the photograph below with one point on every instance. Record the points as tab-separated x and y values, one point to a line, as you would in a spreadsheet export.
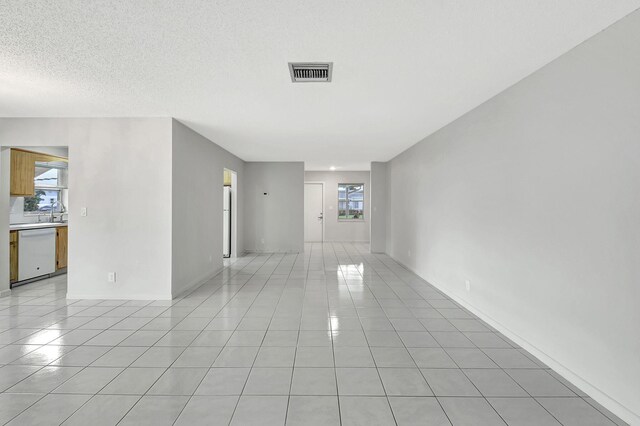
247	279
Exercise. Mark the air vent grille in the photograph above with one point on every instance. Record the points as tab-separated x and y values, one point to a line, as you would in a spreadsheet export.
310	71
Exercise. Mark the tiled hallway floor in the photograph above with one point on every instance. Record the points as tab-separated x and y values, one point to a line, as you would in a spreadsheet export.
332	336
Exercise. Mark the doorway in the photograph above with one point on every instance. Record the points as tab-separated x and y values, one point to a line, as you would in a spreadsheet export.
229	214
313	211
38	218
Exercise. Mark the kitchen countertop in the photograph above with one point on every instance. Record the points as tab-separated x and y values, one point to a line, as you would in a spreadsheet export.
23	226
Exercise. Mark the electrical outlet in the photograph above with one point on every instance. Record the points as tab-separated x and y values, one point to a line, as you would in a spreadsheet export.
83	211
467	284
111	277
409	253
210	259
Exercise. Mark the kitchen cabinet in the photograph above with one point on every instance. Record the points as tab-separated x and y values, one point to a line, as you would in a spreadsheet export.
13	256
23	170
61	247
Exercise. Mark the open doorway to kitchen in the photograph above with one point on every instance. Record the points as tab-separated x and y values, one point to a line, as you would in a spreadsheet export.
38	213
230	214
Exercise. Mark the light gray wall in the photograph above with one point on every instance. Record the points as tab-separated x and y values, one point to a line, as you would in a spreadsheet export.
379	206
274	222
115	168
342	230
535	198
197	180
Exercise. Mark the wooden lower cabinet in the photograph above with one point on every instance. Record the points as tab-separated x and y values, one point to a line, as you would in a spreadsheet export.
13	256
61	247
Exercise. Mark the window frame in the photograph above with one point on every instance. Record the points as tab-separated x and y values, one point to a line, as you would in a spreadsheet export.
346	200
58	189
44	213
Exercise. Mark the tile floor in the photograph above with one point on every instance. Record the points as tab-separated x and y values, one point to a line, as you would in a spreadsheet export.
331	336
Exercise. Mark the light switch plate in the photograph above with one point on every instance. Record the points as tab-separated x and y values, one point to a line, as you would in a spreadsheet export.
83	211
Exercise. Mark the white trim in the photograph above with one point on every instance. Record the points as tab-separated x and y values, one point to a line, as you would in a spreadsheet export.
143	296
324	216
348	241
271	251
197	283
5	293
591	390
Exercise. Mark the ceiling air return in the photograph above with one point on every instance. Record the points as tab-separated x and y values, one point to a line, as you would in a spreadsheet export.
310	72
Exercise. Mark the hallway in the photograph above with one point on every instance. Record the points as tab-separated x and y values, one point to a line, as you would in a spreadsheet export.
334	335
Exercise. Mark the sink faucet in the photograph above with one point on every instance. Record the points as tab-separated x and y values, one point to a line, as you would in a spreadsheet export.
53	205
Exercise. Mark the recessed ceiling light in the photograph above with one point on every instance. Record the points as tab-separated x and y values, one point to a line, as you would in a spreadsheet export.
332	168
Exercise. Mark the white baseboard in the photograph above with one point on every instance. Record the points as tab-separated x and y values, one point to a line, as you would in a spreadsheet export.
272	252
77	296
347	241
197	283
5	293
599	396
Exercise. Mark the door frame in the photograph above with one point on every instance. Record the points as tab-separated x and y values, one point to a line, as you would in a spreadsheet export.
323	212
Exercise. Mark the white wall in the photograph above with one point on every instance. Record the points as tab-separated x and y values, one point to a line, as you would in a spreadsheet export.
534	198
116	166
197	181
342	230
5	166
379	207
273	222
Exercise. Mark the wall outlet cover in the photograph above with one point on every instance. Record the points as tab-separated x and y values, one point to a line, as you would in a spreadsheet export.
111	277
467	285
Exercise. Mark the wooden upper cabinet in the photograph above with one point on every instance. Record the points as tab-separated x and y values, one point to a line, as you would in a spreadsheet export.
61	247
23	170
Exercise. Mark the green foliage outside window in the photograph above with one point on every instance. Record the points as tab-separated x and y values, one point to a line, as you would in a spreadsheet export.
31	203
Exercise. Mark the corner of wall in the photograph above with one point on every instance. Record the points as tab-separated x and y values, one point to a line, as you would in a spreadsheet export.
379	207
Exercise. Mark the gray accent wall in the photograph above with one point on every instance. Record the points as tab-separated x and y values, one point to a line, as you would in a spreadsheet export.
274	207
336	230
379	207
534	198
197	181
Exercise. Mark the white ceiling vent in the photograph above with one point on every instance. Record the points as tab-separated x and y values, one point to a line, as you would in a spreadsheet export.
310	72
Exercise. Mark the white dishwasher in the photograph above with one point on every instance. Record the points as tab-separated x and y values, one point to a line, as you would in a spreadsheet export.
36	253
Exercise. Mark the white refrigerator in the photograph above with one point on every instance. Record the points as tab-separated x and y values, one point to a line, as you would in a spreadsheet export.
226	222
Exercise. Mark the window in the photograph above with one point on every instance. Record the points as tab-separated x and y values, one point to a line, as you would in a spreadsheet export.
42	200
351	201
49	182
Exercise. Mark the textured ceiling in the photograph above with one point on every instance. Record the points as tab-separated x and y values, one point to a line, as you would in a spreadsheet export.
402	69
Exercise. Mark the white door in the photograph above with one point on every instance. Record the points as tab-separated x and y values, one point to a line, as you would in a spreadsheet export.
313	212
